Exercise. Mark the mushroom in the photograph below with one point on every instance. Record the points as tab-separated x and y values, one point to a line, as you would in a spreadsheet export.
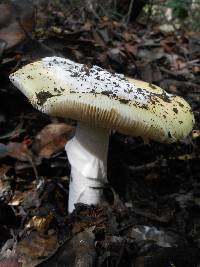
100	101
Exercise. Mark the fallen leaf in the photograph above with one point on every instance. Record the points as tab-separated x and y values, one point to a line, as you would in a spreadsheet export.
131	49
84	248
173	88
196	69
34	248
40	223
18	198
180	64
10	262
76	251
15	150
98	39
166	28
3	150
161	237
27	197
127	36
17	18
52	139
5	184
19	151
117	56
151	54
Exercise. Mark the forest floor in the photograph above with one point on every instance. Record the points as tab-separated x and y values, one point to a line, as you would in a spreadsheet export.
152	216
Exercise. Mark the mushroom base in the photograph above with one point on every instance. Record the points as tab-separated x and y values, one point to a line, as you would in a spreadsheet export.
87	153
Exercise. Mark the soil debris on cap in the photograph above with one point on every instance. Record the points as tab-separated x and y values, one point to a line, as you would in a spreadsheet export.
42	97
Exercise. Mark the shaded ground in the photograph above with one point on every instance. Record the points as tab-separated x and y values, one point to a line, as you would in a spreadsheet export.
153	215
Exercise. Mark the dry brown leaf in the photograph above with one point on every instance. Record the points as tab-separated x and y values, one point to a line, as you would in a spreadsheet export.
26	196
19	197
117	56
5	184
173	88
4	169
40	223
131	49
151	54
17	17
131	37
3	150
15	150
196	69
52	139
98	39
127	36
180	64
19	151
35	248
85	251
10	262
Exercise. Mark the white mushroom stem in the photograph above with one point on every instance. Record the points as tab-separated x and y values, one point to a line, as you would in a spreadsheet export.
87	153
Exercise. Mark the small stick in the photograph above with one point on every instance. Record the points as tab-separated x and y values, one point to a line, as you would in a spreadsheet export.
147	166
129	12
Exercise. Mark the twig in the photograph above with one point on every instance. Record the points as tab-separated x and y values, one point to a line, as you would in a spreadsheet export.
91	9
38	180
115	5
172	73
129	12
147	166
149	11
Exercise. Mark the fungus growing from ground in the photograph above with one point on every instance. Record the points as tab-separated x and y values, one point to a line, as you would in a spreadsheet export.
100	101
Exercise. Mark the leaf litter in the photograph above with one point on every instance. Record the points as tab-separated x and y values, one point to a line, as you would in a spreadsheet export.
151	216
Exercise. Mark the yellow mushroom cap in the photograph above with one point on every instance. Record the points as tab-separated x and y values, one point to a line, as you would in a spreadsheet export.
61	87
